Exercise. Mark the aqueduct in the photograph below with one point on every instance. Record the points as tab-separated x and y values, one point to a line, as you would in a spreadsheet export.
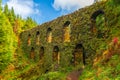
70	38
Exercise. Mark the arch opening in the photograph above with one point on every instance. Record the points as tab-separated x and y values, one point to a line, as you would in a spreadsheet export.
66	31
66	24
32	53
49	35
96	13
37	33
29	40
78	55
41	52
37	38
56	54
98	23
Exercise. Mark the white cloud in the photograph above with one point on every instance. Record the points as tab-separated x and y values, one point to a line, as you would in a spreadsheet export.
71	4
24	8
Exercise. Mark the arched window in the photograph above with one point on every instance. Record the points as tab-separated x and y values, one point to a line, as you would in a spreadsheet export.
29	40
98	23
56	54
78	54
32	53
66	31
49	35
37	38
41	52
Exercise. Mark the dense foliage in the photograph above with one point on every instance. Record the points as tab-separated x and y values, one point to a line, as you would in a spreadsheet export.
116	1
6	41
102	65
10	25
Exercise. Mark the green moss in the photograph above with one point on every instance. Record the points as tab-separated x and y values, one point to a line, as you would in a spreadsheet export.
80	33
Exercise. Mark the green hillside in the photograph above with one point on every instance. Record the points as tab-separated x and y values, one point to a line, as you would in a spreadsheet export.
83	45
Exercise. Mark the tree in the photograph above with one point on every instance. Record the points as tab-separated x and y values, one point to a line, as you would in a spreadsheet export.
0	5
116	1
6	41
8	22
29	23
6	10
11	16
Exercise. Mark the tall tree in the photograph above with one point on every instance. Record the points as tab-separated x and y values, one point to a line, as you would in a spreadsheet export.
116	1
6	41
29	23
6	10
0	5
8	22
11	16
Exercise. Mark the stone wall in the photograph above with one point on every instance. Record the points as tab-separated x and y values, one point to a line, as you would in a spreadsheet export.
80	26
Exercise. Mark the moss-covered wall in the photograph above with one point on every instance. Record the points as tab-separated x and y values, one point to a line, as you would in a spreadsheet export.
80	23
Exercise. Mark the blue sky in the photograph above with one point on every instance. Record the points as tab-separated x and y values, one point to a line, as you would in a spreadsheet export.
45	10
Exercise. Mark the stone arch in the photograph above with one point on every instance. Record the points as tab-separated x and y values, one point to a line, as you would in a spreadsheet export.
56	54
29	40
32	53
79	54
49	35
96	13
37	38
98	22
66	31
37	33
41	52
